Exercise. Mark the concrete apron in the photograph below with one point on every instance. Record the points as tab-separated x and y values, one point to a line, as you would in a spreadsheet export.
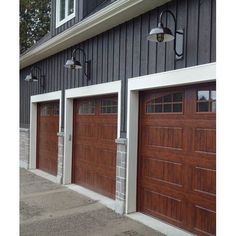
47	208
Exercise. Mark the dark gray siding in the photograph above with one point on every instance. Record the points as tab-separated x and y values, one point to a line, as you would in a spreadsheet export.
92	6
124	52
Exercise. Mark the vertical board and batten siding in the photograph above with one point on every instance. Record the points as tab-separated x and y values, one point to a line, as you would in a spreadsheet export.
92	6
124	52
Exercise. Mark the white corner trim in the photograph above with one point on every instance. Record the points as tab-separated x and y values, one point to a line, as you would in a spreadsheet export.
108	202
33	120
186	76
88	91
158	225
114	14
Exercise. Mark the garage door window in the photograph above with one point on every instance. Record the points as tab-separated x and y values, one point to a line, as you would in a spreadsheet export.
49	109
206	101
170	103
109	106
87	108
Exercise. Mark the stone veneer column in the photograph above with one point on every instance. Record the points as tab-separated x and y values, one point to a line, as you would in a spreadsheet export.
24	147
60	159
120	175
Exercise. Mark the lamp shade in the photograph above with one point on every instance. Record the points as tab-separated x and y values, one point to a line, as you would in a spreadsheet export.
160	34
31	78
73	64
28	77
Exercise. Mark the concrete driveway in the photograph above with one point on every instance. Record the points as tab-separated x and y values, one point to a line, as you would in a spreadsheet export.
52	209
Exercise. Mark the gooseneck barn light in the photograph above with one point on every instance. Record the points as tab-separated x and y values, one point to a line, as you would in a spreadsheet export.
164	34
75	64
35	75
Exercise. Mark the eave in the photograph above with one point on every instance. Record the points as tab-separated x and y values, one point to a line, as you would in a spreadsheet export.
114	14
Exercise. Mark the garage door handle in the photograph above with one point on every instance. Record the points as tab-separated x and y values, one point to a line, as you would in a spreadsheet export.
69	137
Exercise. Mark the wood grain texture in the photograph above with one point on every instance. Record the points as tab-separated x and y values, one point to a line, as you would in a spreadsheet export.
47	140
177	163
94	149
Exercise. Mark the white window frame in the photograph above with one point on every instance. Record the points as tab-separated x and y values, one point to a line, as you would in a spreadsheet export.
67	17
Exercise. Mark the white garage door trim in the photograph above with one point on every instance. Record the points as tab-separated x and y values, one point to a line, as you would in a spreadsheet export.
191	75
88	91
33	121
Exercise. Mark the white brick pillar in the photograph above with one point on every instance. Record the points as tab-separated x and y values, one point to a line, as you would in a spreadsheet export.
120	175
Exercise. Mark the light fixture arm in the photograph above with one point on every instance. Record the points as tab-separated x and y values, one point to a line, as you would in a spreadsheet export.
85	61
41	77
81	50
176	32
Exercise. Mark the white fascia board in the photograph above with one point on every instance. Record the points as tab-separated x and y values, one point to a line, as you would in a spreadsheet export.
114	14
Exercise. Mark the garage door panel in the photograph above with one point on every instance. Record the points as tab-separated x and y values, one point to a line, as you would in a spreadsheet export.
161	204
164	153
94	179
94	148
86	130
177	165
186	158
204	180
106	157
166	137
205	140
204	220
174	190
107	132
161	170
166	188
105	185
85	176
199	199
85	151
99	156
99	170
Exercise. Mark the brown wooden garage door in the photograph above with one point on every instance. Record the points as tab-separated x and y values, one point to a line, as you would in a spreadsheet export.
177	165
94	148
47	128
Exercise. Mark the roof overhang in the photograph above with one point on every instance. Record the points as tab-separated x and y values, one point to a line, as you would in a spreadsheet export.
105	19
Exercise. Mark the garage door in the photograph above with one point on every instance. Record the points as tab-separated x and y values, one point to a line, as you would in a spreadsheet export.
47	128
94	148
177	165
